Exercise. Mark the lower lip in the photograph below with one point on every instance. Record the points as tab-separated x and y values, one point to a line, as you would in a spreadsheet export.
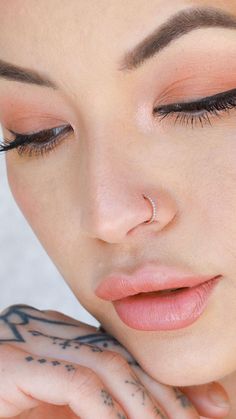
165	312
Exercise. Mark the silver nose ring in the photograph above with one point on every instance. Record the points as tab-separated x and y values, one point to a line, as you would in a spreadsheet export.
154	210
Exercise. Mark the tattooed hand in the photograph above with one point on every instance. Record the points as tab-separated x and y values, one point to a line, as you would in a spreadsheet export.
53	366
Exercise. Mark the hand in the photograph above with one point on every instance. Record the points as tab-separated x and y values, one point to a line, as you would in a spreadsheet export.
49	360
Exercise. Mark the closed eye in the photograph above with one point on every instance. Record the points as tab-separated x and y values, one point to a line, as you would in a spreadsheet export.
38	143
201	110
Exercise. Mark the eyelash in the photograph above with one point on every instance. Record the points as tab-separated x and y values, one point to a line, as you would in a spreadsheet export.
212	105
39	143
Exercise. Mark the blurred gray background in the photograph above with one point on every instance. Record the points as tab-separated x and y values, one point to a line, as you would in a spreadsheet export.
27	275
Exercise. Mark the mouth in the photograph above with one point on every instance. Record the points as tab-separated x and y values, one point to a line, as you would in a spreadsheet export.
167	309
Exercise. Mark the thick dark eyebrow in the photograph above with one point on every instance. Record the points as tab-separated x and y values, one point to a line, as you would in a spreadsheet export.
12	72
176	26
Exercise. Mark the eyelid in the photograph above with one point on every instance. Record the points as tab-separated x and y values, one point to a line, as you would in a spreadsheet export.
32	133
206	99
213	97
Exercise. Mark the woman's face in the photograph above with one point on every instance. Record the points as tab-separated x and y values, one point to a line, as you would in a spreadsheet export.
83	199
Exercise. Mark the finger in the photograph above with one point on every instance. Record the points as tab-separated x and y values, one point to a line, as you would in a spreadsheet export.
114	371
57	315
126	386
216	405
25	377
176	403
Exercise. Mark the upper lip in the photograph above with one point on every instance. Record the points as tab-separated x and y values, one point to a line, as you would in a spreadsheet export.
148	278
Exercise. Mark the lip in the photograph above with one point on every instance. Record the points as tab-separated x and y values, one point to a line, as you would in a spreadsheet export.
165	312
149	278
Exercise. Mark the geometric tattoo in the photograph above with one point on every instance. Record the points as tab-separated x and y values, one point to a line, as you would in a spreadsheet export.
21	314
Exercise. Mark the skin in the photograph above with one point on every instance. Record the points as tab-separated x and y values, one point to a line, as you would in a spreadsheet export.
78	201
48	338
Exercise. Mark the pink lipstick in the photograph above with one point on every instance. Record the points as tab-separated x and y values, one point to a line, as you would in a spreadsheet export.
158	297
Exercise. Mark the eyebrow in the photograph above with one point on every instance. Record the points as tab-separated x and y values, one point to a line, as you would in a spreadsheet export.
176	26
12	72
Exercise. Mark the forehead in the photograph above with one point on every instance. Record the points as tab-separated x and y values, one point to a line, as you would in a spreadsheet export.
79	39
42	34
83	26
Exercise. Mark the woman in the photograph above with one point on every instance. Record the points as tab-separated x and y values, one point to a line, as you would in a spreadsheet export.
119	134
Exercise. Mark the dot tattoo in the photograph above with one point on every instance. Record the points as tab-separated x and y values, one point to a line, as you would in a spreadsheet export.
29	358
54	363
107	398
70	368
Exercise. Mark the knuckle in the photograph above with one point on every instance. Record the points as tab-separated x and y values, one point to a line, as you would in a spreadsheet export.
84	380
7	408
115	361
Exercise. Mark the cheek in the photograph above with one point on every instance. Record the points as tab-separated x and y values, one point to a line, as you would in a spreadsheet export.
22	192
47	203
33	200
216	195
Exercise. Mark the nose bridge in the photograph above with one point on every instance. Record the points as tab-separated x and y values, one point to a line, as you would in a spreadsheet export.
106	108
108	133
105	169
106	163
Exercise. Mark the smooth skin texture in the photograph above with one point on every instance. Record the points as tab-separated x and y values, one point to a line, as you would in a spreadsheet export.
84	200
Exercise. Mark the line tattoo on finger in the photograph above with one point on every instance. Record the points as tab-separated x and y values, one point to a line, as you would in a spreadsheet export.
159	413
184	400
138	387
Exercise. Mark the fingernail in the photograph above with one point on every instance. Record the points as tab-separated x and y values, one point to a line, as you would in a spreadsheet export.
218	396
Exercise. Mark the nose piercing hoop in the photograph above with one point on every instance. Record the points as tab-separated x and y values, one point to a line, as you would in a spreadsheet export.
154	210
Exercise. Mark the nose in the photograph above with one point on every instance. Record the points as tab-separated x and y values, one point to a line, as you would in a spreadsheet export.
114	208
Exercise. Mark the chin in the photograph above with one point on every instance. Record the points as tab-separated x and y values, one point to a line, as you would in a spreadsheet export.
182	369
173	363
177	378
186	357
